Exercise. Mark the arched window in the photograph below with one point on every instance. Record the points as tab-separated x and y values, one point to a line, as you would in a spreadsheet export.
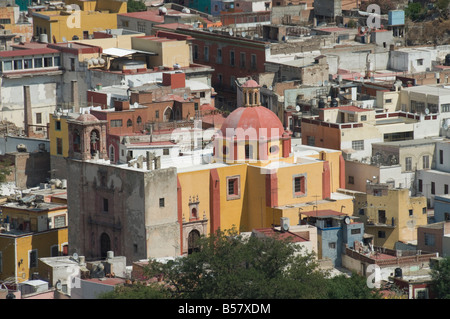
129	123
76	141
139	120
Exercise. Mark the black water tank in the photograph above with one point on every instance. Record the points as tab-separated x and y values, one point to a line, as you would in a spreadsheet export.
398	273
447	60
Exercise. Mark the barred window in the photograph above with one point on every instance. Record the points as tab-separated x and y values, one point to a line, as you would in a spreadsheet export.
116	123
358	145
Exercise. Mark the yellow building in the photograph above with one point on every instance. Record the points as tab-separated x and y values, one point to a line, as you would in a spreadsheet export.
390	215
31	229
77	19
257	177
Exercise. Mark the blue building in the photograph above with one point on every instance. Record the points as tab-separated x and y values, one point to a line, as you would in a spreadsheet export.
335	230
441	208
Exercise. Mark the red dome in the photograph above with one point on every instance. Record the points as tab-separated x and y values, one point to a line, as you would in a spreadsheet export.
250	84
251	120
86	117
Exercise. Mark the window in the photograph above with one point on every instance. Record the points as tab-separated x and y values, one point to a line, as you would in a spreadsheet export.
220	79
139	120
72	64
410	212
38	118
165	151
219	56
242	60
116	123
388	101
433	186
233	187
426	161
253	61
38	62
18	65
363	117
429	239
441	157
332	245
351	180
141	27
361	211
27	63
358	145
408	164
355	231
232	58
381	234
105	205
48	62
445	108
32	258
311	140
445	189
382	216
248	151
419	61
125	24
1	262
206	54
59	146
129	123
157	114
7	65
420	185
60	221
195	53
5	21
417	107
299	185
161	202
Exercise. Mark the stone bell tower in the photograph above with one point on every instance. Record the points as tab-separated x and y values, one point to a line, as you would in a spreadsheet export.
87	138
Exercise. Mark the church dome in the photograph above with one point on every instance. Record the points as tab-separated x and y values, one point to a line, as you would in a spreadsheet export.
257	120
250	84
86	117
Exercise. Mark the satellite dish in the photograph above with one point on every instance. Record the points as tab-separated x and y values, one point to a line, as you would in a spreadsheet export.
230	32
64	39
58	285
446	124
427	111
347	220
136	104
297	108
210	29
75	256
185	96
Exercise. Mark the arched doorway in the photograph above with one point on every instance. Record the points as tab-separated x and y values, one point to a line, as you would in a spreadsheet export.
168	115
105	245
193	244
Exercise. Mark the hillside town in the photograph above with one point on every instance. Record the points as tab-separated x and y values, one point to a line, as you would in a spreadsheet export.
128	134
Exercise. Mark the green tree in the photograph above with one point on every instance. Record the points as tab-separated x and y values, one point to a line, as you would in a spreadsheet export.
354	287
440	275
229	266
135	5
414	11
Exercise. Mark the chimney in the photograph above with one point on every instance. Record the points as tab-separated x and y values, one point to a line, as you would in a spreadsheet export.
174	80
28	115
75	105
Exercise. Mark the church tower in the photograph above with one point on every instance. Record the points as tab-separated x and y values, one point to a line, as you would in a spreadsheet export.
87	138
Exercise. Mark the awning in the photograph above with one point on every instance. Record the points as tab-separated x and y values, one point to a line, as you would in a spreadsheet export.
118	52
